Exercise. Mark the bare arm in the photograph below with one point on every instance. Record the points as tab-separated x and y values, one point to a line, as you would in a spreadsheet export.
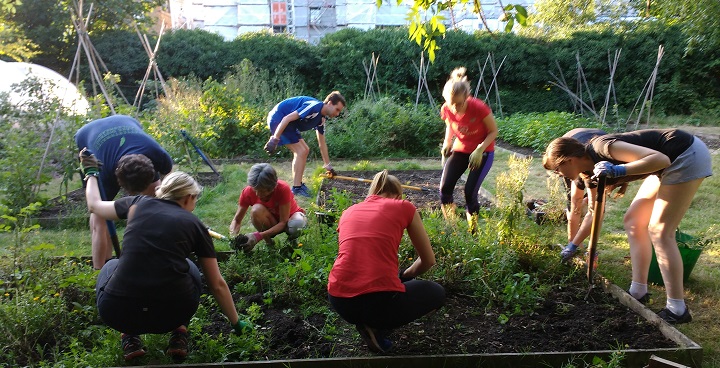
577	202
323	147
421	242
95	204
219	288
640	160
447	141
492	132
284	123
584	230
237	220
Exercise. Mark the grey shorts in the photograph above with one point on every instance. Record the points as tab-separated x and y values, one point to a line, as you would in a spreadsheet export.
694	163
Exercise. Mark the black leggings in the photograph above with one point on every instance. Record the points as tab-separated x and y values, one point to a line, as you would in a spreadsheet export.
138	316
391	309
455	166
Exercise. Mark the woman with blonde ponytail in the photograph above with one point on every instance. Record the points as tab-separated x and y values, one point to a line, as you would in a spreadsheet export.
366	285
154	287
469	143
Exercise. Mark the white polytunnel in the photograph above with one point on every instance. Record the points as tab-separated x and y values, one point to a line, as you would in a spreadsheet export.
12	73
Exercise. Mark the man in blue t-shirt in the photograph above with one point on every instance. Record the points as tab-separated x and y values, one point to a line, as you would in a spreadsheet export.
130	158
298	114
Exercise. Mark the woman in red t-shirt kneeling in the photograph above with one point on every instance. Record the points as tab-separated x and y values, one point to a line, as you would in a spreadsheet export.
364	286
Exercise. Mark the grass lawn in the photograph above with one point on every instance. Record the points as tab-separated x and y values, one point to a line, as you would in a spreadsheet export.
702	290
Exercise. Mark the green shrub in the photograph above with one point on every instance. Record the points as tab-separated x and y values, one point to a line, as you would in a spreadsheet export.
37	131
385	129
197	53
215	116
280	55
536	130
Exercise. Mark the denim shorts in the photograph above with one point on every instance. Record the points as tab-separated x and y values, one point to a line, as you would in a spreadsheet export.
694	163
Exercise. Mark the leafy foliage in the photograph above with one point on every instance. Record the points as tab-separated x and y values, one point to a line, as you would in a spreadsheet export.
37	131
699	20
384	128
426	27
195	53
279	55
536	130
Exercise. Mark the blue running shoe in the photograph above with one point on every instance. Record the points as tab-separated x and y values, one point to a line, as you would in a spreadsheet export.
302	190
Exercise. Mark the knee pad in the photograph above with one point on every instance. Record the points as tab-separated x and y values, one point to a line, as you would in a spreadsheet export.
295	226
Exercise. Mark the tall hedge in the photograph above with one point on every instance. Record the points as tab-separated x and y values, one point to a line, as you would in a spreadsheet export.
686	82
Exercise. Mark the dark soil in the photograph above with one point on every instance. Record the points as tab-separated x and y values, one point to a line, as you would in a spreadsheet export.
574	318
571	319
427	180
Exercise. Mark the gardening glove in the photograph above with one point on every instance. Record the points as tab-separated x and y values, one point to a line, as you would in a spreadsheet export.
330	172
609	170
569	251
252	239
241	327
476	158
237	242
446	150
271	145
89	164
403	278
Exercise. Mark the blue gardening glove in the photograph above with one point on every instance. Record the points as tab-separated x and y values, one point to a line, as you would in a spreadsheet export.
569	251
89	164
271	145
476	159
609	170
241	327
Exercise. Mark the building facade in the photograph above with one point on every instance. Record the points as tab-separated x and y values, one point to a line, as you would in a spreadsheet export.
312	19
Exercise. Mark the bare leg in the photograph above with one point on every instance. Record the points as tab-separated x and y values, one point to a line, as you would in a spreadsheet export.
670	206
636	222
300	152
261	218
101	244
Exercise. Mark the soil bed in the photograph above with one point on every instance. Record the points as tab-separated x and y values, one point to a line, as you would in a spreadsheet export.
574	318
571	319
565	322
427	198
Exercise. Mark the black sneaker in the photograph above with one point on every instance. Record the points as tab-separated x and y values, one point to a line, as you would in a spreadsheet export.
673	318
178	344
643	299
132	346
373	340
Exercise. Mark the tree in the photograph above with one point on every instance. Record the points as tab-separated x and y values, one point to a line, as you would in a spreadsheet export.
426	26
13	43
557	17
699	19
48	24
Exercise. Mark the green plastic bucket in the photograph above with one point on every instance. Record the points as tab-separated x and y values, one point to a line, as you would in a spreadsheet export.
689	251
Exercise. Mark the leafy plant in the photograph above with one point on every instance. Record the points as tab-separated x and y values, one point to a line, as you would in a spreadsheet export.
37	131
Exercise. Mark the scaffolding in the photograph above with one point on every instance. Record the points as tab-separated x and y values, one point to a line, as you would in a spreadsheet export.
312	19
